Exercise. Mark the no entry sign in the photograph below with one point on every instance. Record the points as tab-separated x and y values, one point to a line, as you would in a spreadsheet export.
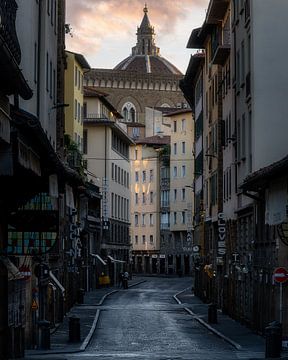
280	275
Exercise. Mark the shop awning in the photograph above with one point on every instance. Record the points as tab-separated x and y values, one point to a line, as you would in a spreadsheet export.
57	282
13	271
99	258
115	260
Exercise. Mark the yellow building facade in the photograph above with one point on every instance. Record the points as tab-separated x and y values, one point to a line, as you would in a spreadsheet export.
76	65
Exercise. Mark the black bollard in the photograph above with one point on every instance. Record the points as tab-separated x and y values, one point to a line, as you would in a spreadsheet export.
273	335
44	326
74	329
80	296
212	313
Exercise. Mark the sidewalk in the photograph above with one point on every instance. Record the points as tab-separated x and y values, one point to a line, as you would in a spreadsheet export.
88	314
239	336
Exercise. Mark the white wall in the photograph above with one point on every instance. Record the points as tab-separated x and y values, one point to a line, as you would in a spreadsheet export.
270	81
27	30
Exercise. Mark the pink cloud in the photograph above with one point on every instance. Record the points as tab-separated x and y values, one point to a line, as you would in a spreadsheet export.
93	22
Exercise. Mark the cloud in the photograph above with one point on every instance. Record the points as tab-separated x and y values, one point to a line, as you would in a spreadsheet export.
97	22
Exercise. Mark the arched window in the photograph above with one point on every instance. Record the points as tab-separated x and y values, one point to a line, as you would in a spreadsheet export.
129	112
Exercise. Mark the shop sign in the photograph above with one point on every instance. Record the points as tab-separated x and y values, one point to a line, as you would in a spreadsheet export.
162	256
221	248
154	256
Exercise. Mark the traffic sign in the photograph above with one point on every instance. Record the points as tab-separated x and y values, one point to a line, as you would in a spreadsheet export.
280	275
34	305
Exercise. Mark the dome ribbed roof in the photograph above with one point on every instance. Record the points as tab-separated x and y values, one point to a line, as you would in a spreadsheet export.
148	64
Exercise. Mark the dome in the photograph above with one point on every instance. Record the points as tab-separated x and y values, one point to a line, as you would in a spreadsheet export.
154	64
145	56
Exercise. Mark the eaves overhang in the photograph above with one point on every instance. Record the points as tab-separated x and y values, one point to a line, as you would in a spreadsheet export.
198	36
216	11
261	178
11	77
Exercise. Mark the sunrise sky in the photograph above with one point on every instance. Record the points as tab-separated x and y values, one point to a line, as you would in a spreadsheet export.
104	31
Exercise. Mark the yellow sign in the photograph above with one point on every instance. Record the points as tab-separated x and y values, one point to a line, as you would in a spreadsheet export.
34	305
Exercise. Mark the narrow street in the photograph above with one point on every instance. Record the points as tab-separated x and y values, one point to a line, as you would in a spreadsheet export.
145	322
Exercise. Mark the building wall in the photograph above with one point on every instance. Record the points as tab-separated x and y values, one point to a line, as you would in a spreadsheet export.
147	161
269	91
42	76
74	97
181	184
142	90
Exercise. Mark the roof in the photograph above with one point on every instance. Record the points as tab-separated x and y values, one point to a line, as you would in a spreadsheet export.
261	178
154	140
198	36
179	111
154	64
80	59
91	92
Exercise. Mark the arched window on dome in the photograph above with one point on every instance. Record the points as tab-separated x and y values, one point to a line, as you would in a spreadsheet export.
129	112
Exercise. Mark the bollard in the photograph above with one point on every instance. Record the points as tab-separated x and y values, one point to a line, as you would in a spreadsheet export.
44	326
273	335
212	313
74	329
80	296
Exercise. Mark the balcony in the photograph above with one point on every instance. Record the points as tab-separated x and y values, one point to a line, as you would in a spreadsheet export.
89	118
221	47
7	29
12	79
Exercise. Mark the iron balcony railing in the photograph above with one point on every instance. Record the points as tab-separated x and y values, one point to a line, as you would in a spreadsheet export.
8	9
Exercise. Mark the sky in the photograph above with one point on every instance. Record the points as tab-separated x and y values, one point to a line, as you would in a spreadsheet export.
104	31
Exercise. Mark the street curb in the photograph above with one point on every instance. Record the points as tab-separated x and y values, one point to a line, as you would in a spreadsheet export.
91	332
204	323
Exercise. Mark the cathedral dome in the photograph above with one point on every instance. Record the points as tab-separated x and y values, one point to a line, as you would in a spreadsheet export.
145	56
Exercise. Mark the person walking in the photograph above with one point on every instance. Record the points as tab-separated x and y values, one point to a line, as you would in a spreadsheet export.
125	279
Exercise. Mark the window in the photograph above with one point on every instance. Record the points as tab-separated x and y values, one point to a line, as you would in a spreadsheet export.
136	176
175	194
35	62
136	154
136	198
151	239
151	220
175	171
183	194
143	239
129	112
151	197
143	198
136	239
151	175
242	62
183	147
143	176
175	148
75	76
47	72
183	217
143	219
243	137
85	141
183	125
136	220
175	218
175	126
122	176
75	109
79	112
127	180
183	170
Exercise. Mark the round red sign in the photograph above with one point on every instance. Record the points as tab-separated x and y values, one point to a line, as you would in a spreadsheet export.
280	275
